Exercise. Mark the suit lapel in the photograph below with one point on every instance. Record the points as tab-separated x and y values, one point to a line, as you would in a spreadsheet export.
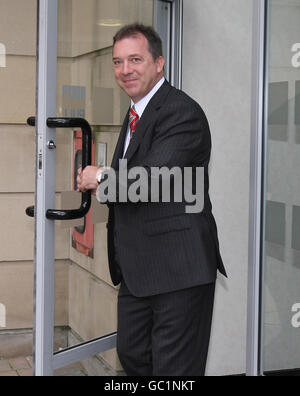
147	119
120	145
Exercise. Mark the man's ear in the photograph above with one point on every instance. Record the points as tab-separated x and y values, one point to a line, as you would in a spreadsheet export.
160	64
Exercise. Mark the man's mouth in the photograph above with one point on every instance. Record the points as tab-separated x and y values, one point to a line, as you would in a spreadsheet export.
129	81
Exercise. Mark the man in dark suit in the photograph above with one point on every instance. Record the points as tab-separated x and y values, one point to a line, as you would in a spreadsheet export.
165	258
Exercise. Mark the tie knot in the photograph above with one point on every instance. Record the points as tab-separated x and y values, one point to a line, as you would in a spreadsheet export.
133	121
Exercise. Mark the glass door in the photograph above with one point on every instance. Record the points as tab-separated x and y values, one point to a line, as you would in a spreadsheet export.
281	245
80	110
85	88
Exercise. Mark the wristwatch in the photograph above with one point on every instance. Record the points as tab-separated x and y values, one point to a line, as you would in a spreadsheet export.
100	174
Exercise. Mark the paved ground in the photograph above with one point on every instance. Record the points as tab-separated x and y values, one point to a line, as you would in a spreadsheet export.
22	367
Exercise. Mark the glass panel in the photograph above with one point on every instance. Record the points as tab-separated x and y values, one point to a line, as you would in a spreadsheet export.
95	366
281	323
163	26
86	301
17	152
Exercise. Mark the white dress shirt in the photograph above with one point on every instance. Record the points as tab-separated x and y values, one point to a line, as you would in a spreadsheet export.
139	109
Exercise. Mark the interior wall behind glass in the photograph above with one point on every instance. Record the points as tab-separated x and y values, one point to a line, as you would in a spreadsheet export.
282	200
86	31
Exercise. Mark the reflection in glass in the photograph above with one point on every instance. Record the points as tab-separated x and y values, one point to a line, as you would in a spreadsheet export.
93	366
85	296
282	216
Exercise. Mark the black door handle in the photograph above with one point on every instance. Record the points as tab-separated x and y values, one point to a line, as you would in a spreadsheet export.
86	198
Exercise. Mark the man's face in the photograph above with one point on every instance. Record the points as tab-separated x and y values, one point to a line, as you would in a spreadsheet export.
136	71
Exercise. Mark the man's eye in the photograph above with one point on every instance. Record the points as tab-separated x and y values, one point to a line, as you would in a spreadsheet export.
136	60
117	63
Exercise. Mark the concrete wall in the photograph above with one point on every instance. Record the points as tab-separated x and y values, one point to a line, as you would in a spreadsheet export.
217	73
17	151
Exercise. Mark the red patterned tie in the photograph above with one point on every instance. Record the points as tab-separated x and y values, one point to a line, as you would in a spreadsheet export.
133	121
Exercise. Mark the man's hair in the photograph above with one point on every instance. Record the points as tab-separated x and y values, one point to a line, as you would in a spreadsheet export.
154	41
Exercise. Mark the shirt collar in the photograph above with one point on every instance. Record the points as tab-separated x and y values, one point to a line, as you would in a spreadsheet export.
142	104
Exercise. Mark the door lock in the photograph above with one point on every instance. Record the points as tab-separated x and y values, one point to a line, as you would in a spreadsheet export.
51	145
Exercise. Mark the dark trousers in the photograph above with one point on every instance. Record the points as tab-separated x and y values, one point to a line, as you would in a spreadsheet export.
167	334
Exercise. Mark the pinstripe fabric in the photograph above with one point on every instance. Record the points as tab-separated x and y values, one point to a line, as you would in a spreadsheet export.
161	248
167	260
165	335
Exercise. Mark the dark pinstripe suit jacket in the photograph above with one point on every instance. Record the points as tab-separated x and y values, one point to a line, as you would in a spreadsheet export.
160	247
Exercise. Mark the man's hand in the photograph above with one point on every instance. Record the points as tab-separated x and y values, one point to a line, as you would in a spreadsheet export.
87	179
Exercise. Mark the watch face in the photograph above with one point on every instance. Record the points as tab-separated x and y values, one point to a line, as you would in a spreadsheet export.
99	176
100	173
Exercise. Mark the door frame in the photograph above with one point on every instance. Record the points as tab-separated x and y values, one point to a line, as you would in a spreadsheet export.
174	52
45	360
45	189
254	354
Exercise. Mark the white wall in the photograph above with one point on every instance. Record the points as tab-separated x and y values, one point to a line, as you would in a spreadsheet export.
217	73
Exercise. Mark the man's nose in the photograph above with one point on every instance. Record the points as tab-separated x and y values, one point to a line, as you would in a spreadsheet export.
127	69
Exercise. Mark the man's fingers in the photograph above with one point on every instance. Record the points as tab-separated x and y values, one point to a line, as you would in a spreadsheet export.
87	179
